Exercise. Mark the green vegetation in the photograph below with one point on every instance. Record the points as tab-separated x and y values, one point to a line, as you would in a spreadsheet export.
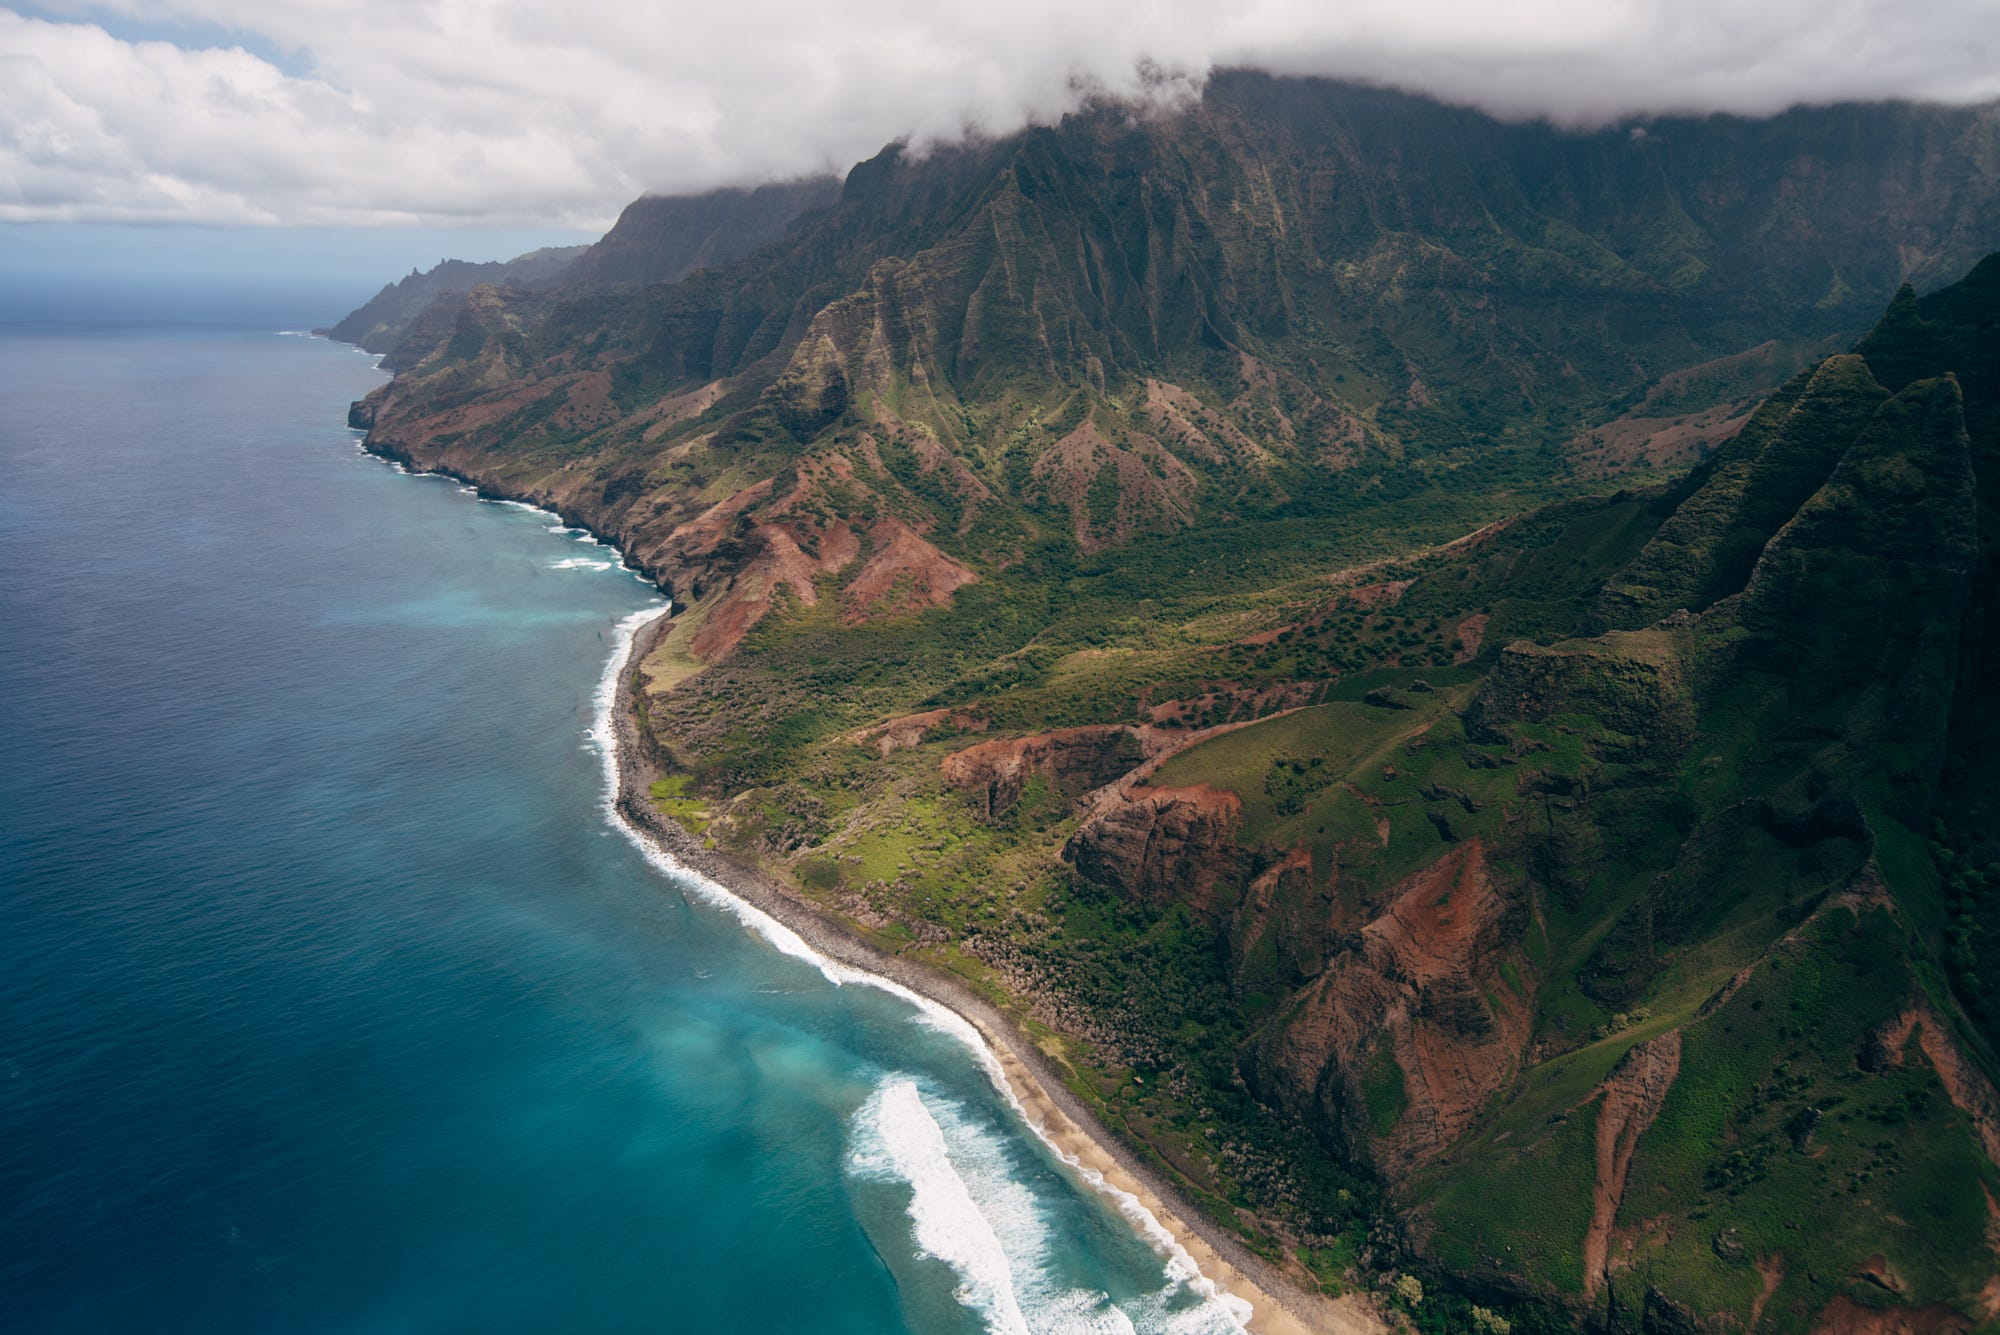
1475	793
670	795
1662	813
1382	1088
1778	1144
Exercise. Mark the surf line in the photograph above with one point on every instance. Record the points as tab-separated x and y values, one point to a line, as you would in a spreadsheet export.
1180	1267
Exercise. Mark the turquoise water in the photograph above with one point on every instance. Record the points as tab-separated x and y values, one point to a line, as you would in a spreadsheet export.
330	1000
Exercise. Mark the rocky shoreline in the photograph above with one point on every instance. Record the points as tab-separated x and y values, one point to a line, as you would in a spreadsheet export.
1279	1306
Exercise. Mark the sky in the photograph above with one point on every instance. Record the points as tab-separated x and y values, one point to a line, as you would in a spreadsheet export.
479	125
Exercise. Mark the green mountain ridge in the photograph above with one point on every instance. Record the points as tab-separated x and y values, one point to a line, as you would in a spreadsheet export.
658	239
1147	568
386	319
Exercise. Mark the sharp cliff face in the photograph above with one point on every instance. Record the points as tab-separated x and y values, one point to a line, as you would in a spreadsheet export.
1744	492
1163	845
1073	761
1119	562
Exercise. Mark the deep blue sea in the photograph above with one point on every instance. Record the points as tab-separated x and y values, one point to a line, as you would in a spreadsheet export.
329	998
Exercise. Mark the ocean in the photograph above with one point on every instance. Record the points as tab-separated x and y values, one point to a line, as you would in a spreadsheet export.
331	999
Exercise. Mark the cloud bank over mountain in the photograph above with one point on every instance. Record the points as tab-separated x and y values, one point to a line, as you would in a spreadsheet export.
376	111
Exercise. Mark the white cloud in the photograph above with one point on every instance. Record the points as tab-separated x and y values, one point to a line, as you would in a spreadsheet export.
440	111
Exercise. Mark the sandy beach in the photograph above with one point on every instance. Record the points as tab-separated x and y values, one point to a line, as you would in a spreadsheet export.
1278	1306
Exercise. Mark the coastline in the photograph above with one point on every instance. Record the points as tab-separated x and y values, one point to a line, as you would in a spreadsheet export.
1155	1206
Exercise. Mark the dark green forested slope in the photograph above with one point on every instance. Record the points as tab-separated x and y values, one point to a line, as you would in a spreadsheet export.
1141	567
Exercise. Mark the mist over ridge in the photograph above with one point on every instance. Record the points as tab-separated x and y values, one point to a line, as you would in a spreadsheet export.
216	111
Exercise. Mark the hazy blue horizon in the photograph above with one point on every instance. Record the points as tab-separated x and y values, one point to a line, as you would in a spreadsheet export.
92	274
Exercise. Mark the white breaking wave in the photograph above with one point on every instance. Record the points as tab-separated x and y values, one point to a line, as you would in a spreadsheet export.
783	938
965	1187
582	535
602	734
1217	1311
519	505
900	1137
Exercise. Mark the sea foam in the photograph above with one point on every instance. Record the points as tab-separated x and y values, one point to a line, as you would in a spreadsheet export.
518	505
899	1137
1216	1310
966	1186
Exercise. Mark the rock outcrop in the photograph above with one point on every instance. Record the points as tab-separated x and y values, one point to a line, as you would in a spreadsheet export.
1164	845
1422	990
1071	760
1844	1316
1635	683
912	730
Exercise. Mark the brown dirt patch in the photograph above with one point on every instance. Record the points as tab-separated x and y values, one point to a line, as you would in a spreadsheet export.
1236	703
1771	1270
1155	489
677	408
1075	760
919	574
1471	633
1632	1096
1187	425
1628	443
912	730
1970	1091
1433	924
